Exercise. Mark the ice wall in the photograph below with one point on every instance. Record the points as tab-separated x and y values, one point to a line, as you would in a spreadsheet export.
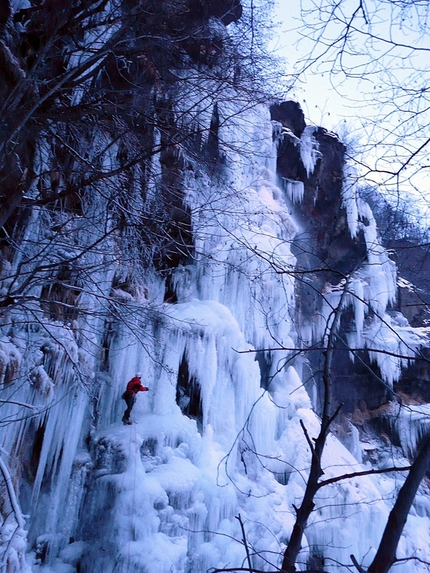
218	435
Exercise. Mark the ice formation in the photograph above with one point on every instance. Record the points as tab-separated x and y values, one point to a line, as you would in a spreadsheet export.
309	152
218	436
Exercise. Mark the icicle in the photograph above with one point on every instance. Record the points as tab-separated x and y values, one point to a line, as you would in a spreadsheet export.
349	198
309	152
295	190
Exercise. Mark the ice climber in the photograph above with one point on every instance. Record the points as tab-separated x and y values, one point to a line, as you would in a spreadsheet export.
130	395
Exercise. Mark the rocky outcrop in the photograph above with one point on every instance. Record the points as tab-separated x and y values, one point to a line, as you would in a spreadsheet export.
327	254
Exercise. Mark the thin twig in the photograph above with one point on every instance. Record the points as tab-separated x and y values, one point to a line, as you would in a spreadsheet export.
245	543
357	565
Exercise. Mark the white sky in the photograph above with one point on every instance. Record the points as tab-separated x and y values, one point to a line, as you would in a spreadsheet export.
324	105
321	104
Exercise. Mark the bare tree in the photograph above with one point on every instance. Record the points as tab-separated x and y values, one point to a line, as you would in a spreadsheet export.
378	49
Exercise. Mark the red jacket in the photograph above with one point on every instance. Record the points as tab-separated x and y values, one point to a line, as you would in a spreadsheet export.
134	386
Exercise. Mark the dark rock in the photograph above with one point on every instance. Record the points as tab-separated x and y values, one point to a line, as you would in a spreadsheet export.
212	145
227	11
290	114
357	382
188	393
413	261
325	242
204	50
289	164
413	303
326	253
414	384
5	13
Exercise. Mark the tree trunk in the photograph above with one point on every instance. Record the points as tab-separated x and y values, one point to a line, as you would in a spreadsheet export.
303	512
386	554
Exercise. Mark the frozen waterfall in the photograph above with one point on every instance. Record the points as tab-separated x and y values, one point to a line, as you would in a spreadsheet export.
218	435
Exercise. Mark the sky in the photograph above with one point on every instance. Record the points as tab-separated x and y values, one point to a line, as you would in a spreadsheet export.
360	109
321	104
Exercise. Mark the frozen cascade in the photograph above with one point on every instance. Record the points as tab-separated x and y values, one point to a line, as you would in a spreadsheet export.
309	151
350	197
370	290
411	424
163	494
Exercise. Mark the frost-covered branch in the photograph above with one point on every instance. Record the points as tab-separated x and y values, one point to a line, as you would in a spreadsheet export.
11	494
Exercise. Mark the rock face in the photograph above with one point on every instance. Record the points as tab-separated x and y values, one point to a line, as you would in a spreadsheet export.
321	215
290	115
325	251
